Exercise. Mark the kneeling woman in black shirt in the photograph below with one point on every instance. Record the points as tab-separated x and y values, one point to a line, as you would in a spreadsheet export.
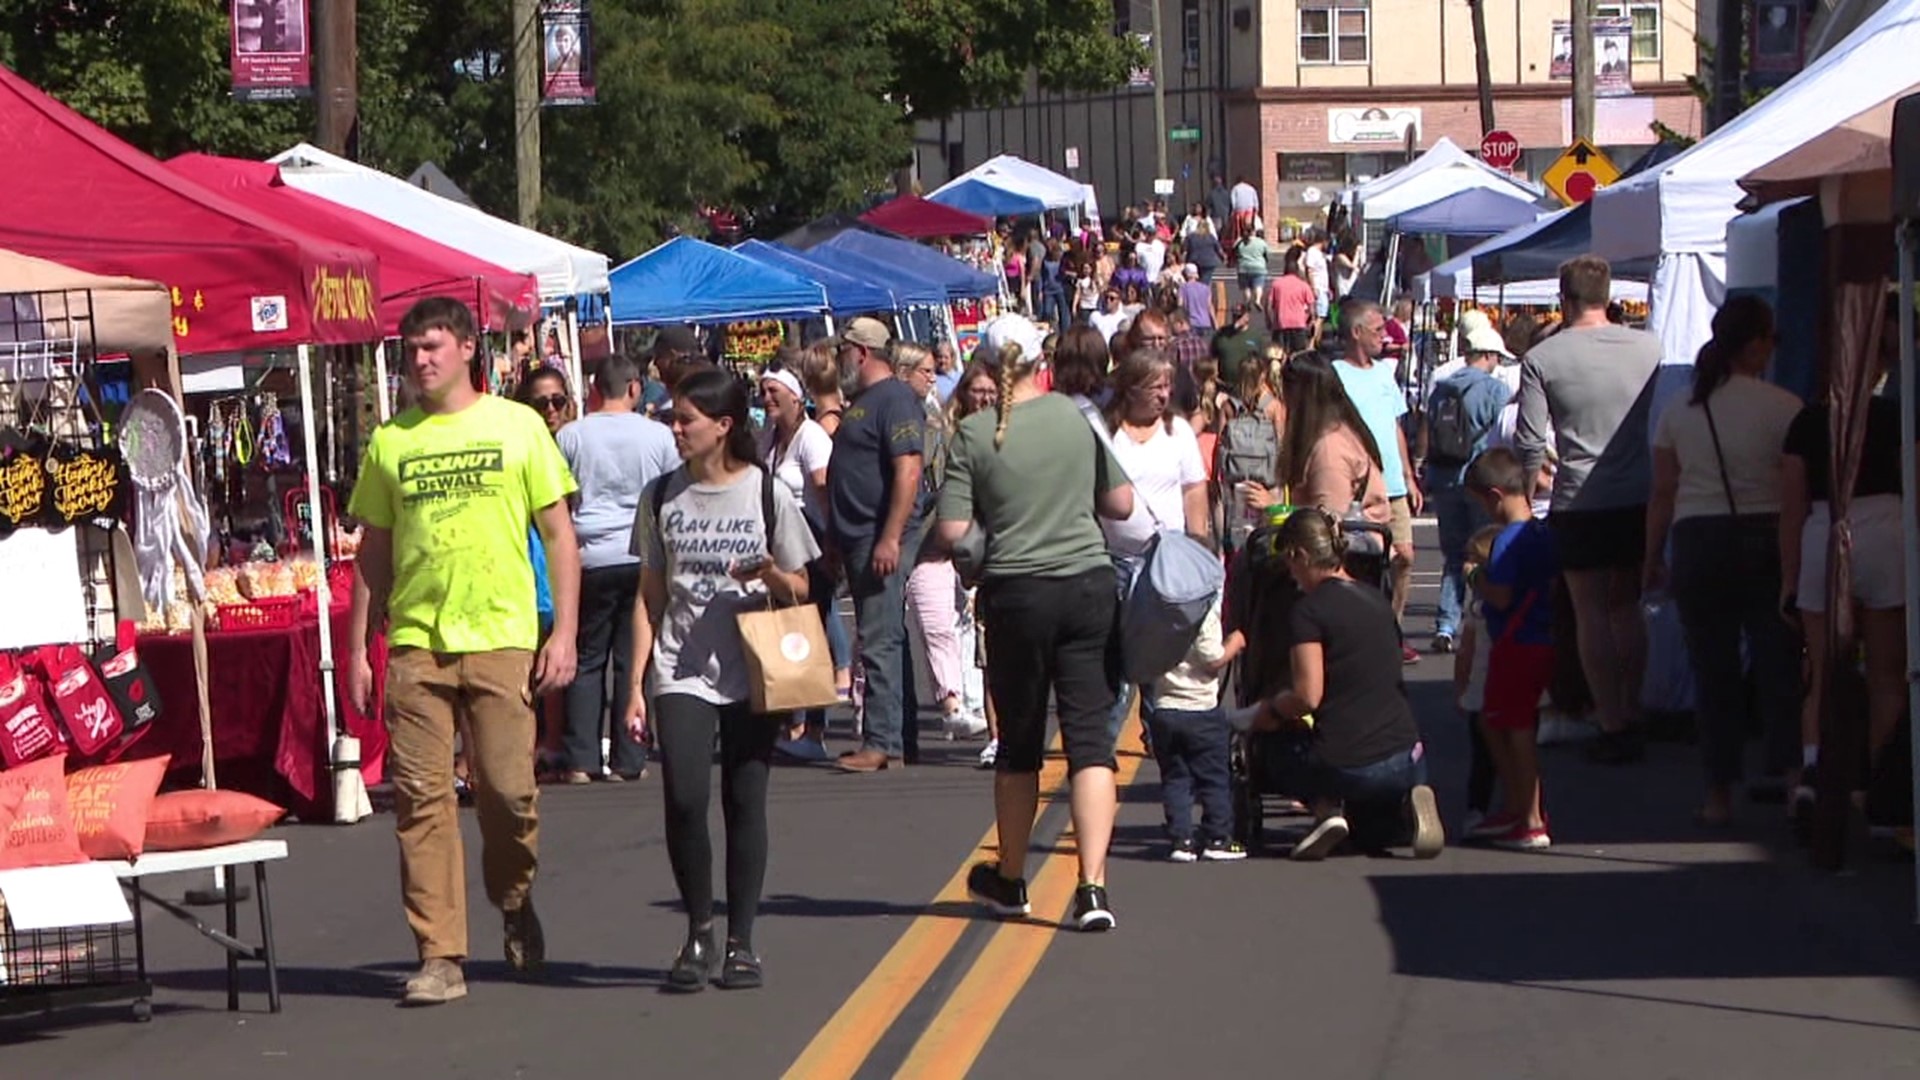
1348	743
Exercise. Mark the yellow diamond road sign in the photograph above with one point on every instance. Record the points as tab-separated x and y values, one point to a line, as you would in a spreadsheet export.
1579	172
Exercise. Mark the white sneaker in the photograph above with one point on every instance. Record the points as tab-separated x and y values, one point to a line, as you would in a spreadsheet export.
989	754
1324	838
961	724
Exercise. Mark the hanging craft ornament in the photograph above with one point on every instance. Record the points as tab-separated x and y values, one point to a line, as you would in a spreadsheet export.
153	437
23	486
274	451
87	486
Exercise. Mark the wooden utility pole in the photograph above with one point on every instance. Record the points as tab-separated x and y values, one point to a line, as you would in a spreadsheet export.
1159	95
1483	65
337	75
526	108
1729	42
1583	73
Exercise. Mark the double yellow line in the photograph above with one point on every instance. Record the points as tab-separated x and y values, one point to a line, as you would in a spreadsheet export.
955	1036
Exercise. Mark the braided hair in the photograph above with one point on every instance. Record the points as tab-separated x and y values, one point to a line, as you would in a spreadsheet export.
1014	365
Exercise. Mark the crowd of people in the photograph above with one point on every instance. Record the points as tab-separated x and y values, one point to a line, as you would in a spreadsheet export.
1006	513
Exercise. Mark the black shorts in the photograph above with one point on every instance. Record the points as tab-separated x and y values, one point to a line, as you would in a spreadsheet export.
1613	539
1050	638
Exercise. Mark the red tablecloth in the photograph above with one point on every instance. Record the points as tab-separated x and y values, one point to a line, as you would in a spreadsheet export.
268	722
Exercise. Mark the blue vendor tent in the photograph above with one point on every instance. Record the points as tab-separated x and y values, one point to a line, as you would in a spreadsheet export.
846	293
690	281
962	282
1537	253
1473	212
980	197
908	288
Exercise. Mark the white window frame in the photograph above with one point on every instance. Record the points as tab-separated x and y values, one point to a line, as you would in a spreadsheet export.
1626	11
1333	9
1189	34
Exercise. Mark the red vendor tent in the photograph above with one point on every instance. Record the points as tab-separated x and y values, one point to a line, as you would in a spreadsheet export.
911	215
411	266
238	279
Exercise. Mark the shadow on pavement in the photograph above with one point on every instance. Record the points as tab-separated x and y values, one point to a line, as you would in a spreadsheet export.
383	981
1695	922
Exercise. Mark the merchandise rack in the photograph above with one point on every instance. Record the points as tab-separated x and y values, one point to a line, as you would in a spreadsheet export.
47	386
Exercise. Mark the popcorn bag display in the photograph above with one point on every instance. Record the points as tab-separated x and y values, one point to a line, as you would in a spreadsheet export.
27	729
92	720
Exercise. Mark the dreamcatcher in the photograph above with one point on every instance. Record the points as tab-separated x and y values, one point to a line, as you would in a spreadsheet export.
153	438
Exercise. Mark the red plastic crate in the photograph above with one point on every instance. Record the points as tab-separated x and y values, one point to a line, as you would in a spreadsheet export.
265	613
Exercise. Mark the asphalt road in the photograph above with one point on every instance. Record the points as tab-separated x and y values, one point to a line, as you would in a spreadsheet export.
1638	946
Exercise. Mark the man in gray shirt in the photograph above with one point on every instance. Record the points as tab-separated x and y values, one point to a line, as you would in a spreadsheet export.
614	452
1594	381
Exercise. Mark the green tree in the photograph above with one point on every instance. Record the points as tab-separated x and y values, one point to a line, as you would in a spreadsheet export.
952	55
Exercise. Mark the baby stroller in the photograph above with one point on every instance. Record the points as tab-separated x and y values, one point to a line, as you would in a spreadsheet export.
1260	598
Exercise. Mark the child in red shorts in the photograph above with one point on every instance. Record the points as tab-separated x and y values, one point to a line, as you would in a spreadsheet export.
1515	587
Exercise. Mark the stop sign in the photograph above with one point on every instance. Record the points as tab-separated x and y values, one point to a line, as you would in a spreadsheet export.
1500	149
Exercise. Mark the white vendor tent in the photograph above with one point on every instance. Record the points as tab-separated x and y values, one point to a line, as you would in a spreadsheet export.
1015	174
1442	171
1679	211
564	270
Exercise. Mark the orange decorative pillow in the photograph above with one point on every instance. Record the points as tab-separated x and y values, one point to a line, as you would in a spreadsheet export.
191	820
35	828
109	804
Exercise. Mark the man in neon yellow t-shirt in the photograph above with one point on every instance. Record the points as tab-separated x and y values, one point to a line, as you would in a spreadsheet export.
447	491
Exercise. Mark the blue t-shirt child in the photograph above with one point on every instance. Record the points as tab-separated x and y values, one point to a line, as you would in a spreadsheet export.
542	591
1524	560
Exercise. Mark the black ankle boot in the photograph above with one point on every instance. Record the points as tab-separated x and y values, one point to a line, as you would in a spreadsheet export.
695	964
741	970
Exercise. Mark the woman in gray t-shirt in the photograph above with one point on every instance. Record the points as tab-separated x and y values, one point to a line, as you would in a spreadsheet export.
714	538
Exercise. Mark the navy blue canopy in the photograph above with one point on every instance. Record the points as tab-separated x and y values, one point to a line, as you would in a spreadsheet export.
1537	255
979	197
691	281
908	288
1474	212
848	293
961	281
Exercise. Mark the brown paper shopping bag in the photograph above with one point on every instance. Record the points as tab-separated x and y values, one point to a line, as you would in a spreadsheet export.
788	666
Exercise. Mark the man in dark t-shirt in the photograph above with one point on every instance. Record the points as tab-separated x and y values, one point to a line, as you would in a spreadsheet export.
873	486
1236	343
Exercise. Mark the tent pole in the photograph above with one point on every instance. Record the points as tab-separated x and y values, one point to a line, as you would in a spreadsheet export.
380	376
1909	498
575	369
316	538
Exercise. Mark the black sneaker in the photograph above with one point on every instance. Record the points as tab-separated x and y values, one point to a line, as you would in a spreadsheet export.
1623	747
1091	912
1443	642
1224	850
1183	851
1002	897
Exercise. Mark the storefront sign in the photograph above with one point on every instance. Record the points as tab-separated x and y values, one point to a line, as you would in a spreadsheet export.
1372	126
1612	55
272	54
566	69
1311	168
342	297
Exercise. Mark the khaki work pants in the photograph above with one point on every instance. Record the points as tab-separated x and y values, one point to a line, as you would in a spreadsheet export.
427	694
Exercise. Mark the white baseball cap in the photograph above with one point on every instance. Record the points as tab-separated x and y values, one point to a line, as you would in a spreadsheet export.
1012	330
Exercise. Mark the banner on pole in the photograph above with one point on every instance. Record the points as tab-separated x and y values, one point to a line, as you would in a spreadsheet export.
566	67
272	51
1612	55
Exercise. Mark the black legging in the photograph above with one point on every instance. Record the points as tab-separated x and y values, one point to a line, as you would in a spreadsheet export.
684	726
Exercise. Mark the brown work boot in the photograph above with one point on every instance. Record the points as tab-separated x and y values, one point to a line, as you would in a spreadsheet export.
863	761
439	981
526	942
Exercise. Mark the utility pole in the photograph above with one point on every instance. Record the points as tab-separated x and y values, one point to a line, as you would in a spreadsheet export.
1159	95
337	67
1729	41
1583	72
1483	65
526	108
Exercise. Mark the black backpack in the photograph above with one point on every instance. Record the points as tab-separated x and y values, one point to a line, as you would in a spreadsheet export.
1452	437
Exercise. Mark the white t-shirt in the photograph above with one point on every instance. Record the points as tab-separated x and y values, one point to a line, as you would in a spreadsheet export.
1159	469
1315	260
1752	418
807	454
1153	257
1108	323
1245	199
